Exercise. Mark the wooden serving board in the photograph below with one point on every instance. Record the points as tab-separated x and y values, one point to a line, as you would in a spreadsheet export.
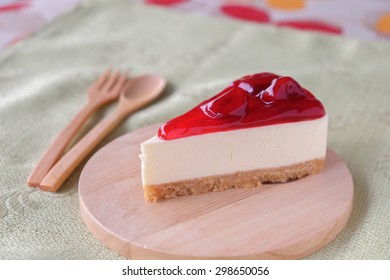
274	221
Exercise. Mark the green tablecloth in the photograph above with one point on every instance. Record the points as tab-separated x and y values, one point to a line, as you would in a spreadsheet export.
44	78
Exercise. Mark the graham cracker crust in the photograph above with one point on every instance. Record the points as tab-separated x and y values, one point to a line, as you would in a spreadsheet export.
246	179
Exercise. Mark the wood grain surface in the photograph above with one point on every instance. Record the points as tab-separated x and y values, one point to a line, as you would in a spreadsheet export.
274	221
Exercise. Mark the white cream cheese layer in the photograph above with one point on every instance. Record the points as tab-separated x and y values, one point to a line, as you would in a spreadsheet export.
219	153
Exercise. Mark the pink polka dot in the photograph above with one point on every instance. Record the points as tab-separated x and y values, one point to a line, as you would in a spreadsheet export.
245	13
18	38
311	25
13	7
164	2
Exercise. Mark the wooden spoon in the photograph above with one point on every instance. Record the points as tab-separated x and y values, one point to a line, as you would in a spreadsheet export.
137	94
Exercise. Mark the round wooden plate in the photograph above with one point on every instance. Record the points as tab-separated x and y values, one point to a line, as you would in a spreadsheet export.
274	221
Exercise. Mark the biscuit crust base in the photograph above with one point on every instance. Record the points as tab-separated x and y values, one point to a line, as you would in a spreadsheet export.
245	179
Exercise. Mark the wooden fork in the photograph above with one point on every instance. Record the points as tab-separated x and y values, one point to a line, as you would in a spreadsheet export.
102	91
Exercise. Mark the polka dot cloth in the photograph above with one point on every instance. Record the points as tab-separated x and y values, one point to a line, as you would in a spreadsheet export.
365	19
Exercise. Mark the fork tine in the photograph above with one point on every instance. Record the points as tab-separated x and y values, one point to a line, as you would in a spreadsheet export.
119	84
102	78
111	81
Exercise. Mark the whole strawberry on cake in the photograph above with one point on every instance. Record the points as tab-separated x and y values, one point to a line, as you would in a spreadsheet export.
263	128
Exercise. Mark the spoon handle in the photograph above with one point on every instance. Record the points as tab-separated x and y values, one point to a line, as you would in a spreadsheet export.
58	146
68	163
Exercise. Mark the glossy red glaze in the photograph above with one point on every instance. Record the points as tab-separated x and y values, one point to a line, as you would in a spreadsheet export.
256	100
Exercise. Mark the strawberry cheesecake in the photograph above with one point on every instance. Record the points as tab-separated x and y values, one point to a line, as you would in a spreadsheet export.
263	128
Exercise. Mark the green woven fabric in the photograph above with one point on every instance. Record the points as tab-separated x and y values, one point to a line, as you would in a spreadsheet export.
43	81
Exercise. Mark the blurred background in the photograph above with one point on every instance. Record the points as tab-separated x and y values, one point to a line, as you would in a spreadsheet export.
362	19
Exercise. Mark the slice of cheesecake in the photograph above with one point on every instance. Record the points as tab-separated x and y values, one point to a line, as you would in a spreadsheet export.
261	128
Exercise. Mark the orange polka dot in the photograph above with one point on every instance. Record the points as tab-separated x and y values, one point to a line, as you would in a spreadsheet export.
286	4
383	24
